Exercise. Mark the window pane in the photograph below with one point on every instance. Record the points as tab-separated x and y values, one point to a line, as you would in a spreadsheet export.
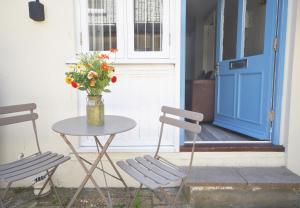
230	29
102	25
255	27
148	25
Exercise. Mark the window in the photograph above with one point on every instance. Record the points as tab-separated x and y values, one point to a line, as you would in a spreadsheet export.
102	25
138	28
230	29
148	28
147	25
255	27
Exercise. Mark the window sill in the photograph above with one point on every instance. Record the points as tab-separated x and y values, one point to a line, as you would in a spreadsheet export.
132	61
127	149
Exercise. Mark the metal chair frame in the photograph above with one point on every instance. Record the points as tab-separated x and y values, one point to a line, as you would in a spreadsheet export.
182	123
24	118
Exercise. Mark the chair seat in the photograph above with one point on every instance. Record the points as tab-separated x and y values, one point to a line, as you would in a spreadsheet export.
30	166
151	172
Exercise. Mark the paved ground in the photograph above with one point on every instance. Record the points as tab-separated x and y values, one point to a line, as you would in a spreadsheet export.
207	197
211	187
23	198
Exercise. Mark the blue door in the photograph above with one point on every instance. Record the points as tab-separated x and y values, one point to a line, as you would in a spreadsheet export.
245	53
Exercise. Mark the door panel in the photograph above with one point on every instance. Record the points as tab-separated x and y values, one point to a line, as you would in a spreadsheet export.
245	76
226	98
250	97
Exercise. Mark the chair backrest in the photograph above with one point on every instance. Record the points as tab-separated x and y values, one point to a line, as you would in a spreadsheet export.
17	118
182	122
13	119
192	127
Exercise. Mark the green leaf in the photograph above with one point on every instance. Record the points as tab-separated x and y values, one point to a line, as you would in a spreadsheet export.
82	88
106	90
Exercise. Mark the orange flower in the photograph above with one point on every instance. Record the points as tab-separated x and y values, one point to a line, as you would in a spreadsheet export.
92	83
105	67
103	56
68	80
114	50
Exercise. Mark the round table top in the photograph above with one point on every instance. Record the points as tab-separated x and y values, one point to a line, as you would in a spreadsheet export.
78	126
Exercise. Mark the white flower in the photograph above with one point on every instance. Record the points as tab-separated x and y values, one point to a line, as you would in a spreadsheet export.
92	74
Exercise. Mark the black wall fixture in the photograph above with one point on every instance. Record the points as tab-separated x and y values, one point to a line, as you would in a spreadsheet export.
36	10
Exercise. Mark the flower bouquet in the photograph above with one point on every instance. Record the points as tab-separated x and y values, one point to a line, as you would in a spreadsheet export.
93	74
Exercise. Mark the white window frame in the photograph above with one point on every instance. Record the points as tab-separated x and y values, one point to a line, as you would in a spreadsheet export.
84	32
125	33
165	53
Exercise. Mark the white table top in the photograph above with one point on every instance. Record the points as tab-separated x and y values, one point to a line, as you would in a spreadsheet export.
78	126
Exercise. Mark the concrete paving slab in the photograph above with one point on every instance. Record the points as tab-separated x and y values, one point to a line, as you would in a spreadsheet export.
215	176
270	176
270	198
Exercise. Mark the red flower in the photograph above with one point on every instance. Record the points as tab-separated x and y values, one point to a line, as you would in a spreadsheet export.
105	67
113	50
113	79
74	84
103	56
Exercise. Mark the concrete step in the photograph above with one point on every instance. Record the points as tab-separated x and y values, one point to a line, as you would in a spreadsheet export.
244	187
237	198
243	177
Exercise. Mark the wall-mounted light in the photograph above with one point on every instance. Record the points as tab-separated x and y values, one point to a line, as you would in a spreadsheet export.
36	10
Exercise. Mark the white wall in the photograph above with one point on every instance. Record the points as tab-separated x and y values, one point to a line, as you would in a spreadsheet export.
32	67
293	132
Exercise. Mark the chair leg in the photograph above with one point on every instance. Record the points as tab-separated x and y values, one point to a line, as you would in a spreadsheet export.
49	174
178	192
135	195
2	198
49	180
186	195
56	193
1	204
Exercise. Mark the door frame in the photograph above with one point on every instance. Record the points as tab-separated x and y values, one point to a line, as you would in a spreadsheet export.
279	70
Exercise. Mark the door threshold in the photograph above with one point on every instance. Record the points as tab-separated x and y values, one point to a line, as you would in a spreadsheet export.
233	147
228	142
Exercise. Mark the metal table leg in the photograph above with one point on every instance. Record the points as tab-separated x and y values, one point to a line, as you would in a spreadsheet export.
90	171
111	162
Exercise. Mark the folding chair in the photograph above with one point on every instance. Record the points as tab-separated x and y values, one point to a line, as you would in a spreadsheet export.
156	172
34	164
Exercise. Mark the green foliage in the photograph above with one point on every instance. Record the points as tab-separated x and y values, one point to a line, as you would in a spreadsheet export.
137	202
92	74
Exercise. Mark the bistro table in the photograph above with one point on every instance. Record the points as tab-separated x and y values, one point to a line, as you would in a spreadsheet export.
78	126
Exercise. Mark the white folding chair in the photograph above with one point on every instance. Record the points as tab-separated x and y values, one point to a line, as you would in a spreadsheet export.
156	172
37	163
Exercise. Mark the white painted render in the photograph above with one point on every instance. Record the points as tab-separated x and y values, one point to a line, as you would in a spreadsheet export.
293	130
32	66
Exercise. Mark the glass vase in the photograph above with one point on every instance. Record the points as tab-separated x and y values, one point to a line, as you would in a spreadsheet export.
95	110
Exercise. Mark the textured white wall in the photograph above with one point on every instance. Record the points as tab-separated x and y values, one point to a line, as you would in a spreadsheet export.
293	133
32	69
